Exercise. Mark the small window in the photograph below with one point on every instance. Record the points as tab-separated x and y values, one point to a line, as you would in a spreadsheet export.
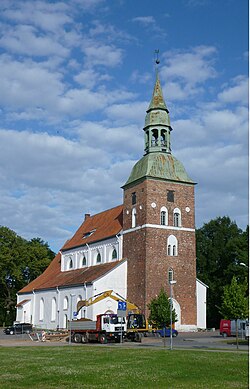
98	258
41	309
114	254
65	302
170	196
84	261
163	218
172	246
177	218
133	218
53	309
71	264
133	198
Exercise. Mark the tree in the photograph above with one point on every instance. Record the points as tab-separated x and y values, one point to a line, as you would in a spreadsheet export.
235	302
21	261
159	307
221	246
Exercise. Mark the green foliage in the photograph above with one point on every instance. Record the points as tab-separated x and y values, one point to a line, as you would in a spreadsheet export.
160	311
21	261
221	246
235	301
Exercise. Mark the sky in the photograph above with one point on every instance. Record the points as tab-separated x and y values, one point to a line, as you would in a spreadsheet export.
77	77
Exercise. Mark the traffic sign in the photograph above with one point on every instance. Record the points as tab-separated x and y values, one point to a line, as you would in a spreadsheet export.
75	314
122	305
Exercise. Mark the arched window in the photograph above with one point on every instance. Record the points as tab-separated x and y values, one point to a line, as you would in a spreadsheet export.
84	261
133	218
172	246
53	309
154	141
70	264
177	217
164	216
114	254
41	309
65	302
98	258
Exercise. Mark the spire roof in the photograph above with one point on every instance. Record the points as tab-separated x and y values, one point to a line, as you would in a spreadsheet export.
157	101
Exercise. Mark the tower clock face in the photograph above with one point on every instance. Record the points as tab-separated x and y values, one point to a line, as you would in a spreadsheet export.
153	205
187	209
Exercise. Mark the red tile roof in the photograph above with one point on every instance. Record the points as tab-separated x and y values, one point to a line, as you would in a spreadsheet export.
53	277
97	227
101	226
22	303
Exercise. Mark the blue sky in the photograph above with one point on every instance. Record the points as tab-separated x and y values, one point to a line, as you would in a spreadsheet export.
76	79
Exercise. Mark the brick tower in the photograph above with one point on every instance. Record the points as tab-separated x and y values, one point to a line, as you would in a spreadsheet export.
159	221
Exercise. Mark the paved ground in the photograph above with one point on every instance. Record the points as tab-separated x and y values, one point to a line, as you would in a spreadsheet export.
195	340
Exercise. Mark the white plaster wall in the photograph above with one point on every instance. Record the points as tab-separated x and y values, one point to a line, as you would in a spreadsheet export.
115	280
201	296
90	252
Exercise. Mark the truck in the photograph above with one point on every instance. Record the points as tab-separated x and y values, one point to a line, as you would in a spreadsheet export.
107	327
228	328
136	323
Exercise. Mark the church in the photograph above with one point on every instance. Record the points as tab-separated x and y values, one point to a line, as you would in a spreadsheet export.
134	249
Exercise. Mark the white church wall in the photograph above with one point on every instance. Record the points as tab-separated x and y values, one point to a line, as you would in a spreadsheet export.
115	280
201	295
105	248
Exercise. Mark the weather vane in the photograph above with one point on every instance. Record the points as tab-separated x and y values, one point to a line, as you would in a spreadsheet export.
157	61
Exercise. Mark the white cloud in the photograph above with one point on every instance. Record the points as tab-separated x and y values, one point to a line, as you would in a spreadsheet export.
146	20
237	92
98	53
27	40
185	71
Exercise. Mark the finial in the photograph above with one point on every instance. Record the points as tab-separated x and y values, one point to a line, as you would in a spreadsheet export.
157	61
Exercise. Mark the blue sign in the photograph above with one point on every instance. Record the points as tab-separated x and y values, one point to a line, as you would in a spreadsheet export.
122	305
75	314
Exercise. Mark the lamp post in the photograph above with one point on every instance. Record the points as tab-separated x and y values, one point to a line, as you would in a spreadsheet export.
70	316
171	282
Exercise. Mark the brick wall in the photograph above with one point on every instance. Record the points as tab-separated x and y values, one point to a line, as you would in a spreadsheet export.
146	248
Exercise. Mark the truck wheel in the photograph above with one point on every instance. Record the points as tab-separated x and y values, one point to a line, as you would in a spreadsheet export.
84	338
11	332
103	339
138	337
77	338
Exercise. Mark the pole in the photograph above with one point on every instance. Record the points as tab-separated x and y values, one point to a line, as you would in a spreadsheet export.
171	308
70	318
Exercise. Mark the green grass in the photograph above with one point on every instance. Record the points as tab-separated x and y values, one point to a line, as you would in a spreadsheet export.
110	367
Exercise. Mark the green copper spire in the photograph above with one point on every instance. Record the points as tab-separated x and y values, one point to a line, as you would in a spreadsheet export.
157	123
157	101
158	162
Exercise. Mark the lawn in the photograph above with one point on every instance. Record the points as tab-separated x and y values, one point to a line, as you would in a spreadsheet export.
110	367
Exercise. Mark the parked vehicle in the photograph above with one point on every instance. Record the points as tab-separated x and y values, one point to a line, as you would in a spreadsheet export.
165	332
106	328
137	324
18	328
228	328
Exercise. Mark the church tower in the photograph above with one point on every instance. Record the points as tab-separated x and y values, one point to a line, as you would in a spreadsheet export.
159	221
